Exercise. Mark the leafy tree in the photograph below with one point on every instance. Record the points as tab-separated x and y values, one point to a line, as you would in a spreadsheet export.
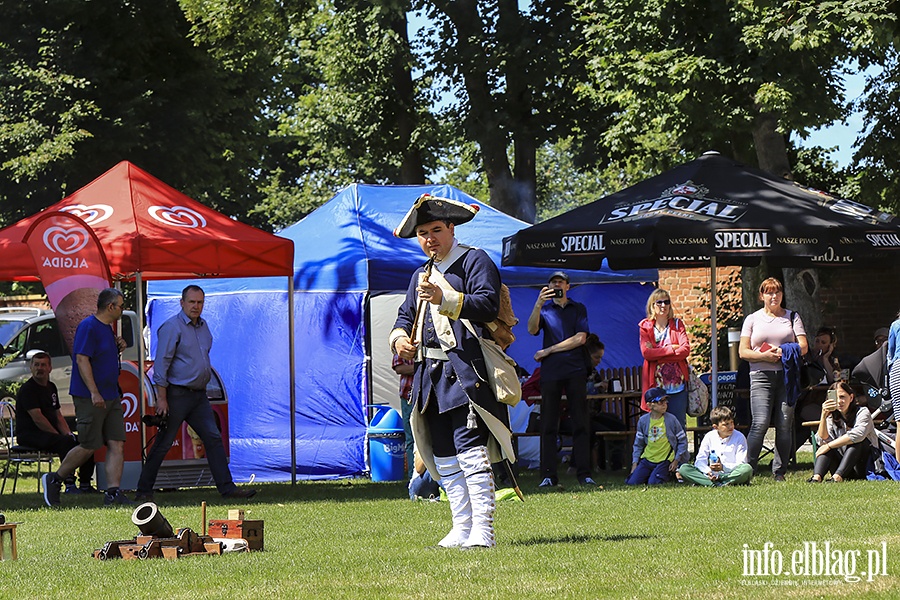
84	85
460	167
364	120
813	167
878	156
344	106
735	76
738	77
729	313
564	185
513	79
561	183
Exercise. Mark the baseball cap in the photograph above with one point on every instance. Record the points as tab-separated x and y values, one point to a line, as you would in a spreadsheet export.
561	275
882	332
655	394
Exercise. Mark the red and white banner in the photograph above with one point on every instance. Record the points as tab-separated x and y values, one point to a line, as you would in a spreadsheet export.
67	254
72	266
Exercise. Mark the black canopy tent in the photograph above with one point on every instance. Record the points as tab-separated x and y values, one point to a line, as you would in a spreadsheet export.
712	211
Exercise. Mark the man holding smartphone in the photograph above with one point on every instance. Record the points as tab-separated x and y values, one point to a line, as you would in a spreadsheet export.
563	371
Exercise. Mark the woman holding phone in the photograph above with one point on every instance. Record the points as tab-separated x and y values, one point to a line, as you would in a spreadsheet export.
845	436
665	346
763	335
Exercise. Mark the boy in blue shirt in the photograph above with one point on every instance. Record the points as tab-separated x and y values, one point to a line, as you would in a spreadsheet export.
660	443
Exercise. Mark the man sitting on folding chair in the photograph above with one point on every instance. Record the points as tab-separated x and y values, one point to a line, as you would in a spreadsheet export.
41	425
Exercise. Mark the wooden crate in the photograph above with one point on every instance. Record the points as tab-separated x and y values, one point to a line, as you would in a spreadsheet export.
252	531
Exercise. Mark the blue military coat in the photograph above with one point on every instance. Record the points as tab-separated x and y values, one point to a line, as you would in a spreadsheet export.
452	383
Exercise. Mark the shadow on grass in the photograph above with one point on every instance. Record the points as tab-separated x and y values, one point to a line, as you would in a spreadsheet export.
340	490
573	538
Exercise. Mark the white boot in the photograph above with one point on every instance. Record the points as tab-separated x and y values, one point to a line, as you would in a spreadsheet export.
480	482
453	481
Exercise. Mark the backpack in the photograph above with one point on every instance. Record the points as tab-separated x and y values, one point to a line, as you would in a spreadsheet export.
698	395
501	327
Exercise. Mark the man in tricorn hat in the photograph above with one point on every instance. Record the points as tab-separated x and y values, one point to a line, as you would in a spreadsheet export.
459	426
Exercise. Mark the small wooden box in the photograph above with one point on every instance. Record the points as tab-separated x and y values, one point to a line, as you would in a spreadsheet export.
252	531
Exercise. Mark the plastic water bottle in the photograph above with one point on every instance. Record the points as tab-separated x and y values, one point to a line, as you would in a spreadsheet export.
713	457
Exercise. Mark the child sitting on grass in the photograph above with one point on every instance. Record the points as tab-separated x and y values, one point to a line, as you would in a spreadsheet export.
660	443
722	458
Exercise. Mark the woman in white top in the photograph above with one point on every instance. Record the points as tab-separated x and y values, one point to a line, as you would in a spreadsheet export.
845	437
762	336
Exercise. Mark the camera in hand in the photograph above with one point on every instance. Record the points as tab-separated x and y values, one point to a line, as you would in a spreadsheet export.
557	293
154	421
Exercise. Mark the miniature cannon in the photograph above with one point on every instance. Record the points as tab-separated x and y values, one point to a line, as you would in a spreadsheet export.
151	522
157	540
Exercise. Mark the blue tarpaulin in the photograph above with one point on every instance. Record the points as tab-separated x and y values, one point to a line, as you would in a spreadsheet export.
347	265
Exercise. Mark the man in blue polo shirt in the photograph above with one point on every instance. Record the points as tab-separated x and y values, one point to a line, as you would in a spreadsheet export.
95	392
563	371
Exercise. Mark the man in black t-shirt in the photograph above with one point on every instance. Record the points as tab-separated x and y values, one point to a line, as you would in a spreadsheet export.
40	424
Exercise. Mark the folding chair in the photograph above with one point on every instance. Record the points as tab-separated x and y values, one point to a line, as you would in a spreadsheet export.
17	455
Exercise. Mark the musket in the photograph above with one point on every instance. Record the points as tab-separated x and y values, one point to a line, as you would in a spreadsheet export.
421	305
512	479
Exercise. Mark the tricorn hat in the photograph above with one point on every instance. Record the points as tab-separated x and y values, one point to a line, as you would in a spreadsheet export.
428	208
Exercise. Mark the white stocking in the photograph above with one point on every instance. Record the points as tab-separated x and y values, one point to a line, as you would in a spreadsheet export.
480	482
453	481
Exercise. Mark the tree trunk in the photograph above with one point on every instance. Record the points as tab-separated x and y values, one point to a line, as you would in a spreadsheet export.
801	286
511	30
771	151
412	169
488	122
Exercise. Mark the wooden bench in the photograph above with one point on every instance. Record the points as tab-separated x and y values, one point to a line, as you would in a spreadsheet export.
697	430
608	437
618	404
701	430
813	428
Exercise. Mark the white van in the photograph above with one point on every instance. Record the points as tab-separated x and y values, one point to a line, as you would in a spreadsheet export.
26	329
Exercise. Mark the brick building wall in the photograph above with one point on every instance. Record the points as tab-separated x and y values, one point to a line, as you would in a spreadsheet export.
856	301
35	300
690	303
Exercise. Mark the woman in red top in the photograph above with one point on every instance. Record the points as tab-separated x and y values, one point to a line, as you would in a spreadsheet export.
665	346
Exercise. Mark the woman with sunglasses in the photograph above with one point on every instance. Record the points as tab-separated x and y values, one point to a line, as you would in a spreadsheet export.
665	346
766	336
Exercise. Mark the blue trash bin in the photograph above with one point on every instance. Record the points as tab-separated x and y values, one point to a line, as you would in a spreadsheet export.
387	450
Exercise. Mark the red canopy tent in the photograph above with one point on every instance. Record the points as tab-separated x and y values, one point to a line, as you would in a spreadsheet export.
150	230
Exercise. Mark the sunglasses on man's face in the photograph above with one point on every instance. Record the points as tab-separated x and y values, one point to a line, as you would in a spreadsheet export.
663	302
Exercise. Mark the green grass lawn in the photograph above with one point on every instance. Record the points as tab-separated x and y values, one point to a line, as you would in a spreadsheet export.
358	539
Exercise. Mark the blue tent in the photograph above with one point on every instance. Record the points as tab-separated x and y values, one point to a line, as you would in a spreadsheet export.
350	272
